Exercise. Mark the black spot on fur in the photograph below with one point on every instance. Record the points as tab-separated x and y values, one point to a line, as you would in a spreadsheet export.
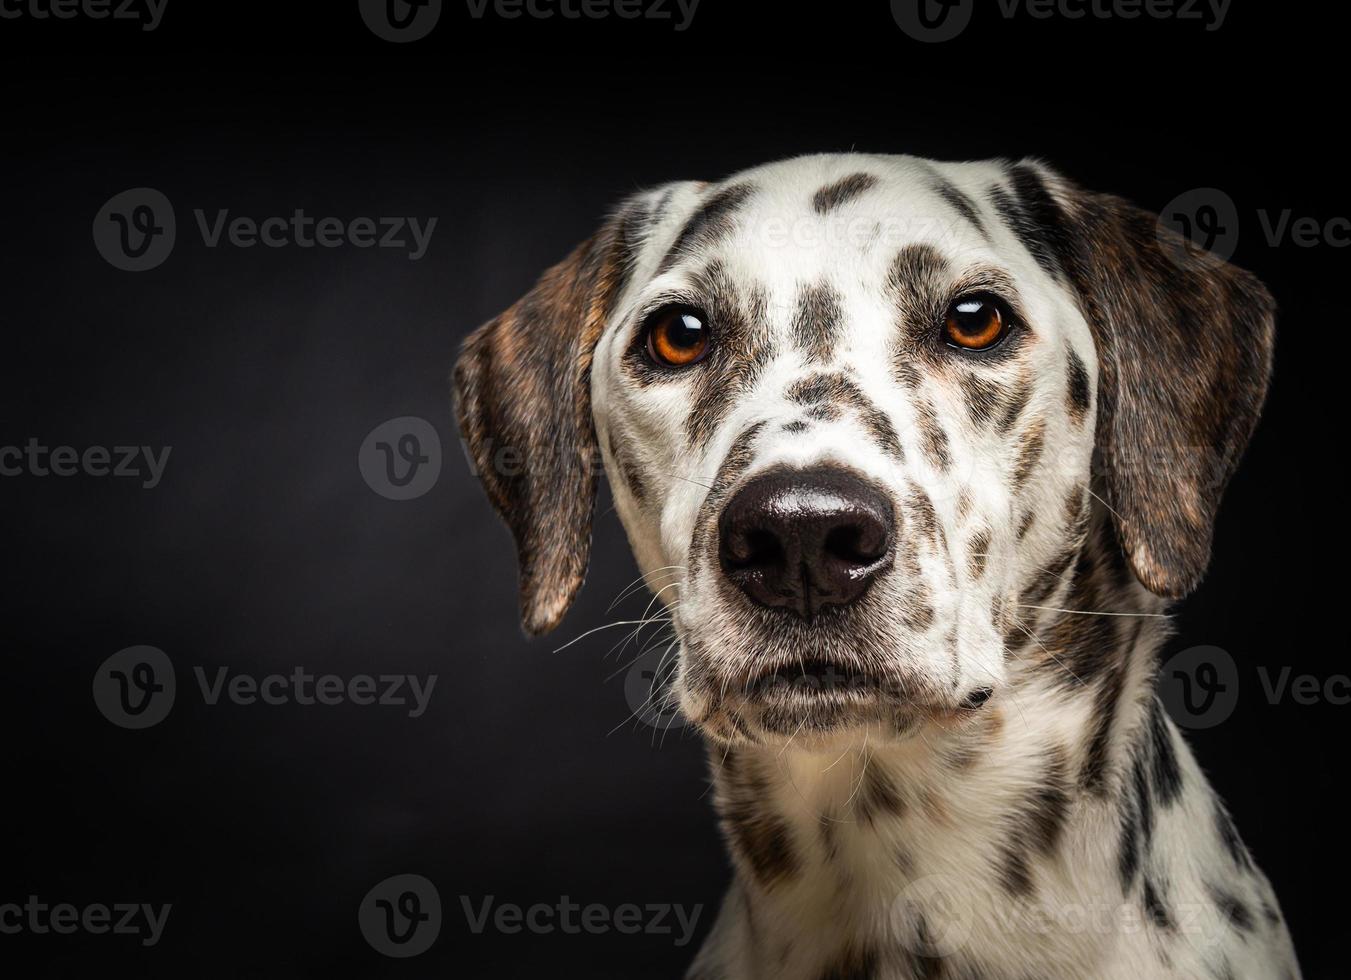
1128	850
977	698
816	324
795	427
713	221
1156	906
629	473
1037	825
1030	447
980	547
1166	771
933	439
758	834
1079	394
1228	834
1033	216
1013	407
1231	907
1106	700
879	796
1041	589
828	394
960	202
832	196
984	398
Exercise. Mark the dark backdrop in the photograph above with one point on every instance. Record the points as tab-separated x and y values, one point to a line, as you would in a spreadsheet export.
263	548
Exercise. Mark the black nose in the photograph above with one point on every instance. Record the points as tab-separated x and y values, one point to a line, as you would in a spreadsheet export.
804	539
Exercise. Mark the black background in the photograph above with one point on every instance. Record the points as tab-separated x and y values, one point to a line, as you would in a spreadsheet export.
263	549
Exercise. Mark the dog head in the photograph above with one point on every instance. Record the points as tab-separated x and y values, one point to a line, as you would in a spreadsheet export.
856	412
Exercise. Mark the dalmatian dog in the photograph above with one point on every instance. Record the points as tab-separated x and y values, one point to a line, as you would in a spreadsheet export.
914	456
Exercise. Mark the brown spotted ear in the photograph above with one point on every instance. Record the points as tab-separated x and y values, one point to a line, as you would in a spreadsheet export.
523	398
1185	344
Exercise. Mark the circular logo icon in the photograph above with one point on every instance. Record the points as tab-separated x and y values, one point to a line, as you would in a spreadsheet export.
932	21
934	920
401	21
401	458
1199	227
647	689
135	230
134	688
401	916
1199	687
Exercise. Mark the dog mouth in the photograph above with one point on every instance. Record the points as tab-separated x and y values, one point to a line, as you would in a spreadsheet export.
814	696
815	677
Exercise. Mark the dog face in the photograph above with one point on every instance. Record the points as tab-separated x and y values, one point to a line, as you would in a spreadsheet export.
856	412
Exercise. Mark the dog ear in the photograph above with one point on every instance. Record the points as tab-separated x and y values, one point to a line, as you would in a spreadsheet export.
523	399
1185	343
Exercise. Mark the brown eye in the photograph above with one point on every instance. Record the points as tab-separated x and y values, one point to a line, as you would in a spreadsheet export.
975	323
677	337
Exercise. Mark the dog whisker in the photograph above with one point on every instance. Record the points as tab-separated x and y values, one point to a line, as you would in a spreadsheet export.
1093	612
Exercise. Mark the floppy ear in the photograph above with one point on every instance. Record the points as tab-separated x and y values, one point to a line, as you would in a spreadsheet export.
523	398
1185	345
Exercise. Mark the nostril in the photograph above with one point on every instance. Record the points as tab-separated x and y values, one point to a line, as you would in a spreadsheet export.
752	548
856	544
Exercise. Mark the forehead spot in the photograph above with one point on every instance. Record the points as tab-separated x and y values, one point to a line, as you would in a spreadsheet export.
816	322
960	202
1033	216
714	221
833	195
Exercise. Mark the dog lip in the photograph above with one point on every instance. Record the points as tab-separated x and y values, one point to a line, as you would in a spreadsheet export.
816	675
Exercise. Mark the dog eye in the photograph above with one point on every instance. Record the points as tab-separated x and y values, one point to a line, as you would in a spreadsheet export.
677	336
975	323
